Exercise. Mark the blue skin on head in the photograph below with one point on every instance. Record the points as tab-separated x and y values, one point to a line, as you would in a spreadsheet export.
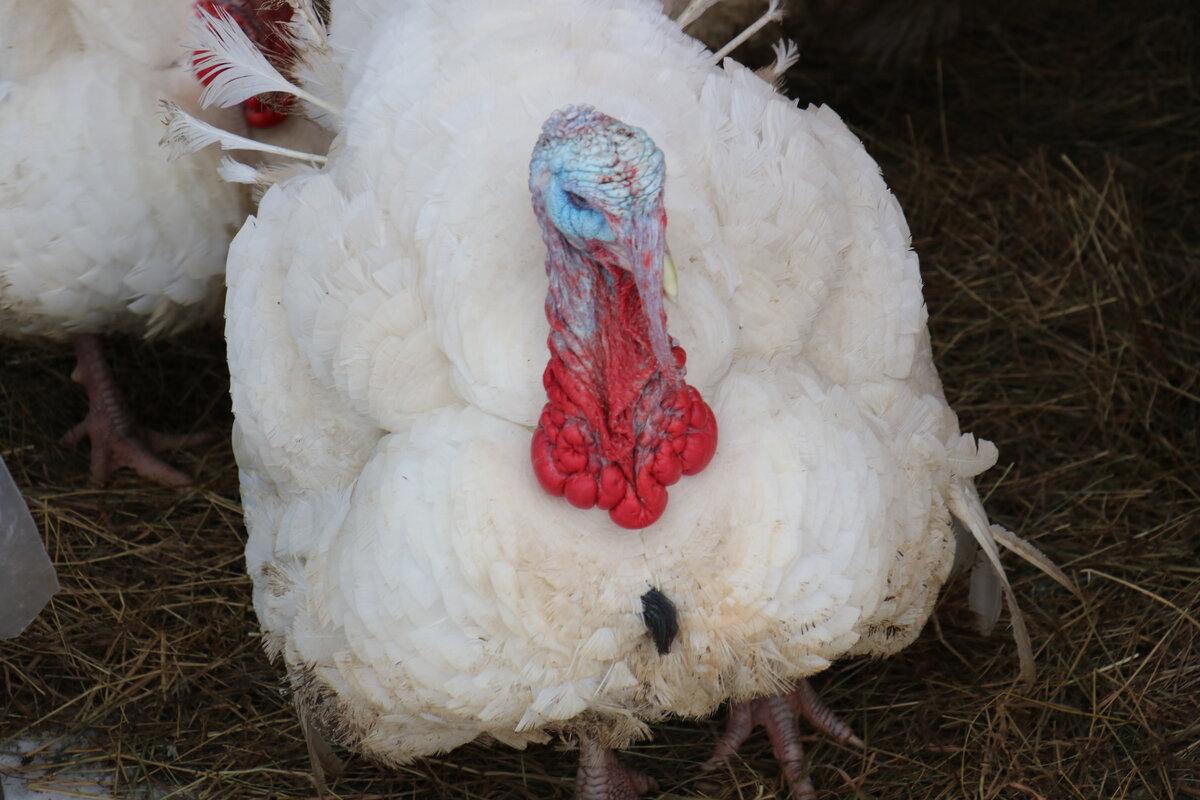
587	164
573	215
597	183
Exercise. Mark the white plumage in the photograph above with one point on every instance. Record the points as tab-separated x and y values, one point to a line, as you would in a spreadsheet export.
99	232
386	344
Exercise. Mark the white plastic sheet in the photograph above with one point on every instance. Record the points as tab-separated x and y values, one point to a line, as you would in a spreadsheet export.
27	579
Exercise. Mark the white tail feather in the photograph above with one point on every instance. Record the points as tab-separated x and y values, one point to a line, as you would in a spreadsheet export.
314	64
261	177
306	27
985	593
693	11
1036	557
964	504
321	757
235	171
773	14
236	69
186	134
787	53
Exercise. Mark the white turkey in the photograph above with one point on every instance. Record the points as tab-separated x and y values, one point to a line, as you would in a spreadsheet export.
484	485
99	231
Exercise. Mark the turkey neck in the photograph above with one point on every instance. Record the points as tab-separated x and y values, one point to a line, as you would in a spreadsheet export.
600	351
617	427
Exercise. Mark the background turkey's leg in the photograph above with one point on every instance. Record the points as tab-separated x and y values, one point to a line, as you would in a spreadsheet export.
116	441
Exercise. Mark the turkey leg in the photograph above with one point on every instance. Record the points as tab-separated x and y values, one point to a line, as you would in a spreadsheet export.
602	776
779	714
116	441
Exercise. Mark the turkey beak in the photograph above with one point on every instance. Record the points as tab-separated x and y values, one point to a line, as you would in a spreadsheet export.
654	273
670	276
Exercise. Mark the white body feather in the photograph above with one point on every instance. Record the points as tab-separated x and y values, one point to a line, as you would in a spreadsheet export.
386	343
99	231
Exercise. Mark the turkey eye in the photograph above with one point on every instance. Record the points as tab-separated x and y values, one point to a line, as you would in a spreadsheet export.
575	216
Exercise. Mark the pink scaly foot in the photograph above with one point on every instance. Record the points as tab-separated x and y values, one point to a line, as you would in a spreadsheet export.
116	441
779	715
602	776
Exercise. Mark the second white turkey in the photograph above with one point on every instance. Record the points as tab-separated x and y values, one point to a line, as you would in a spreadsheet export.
100	231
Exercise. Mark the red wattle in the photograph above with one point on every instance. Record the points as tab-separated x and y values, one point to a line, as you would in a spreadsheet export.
700	443
261	115
630	477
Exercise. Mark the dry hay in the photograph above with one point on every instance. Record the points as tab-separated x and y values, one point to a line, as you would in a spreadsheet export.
1047	160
